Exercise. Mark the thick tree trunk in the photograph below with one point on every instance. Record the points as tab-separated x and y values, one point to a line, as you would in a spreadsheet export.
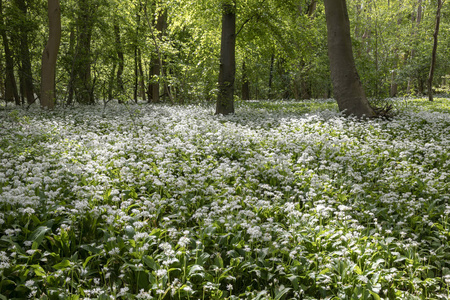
347	86
26	76
433	55
50	54
11	94
245	83
225	97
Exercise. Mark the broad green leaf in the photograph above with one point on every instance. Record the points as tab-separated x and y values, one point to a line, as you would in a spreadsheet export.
38	270
375	295
281	292
38	236
195	270
62	265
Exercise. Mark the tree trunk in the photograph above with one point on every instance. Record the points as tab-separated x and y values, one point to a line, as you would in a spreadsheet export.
2	77
433	55
26	76
50	54
312	8
141	75
111	82
272	61
417	18
71	53
225	97
11	94
394	86
156	63
120	57
136	75
245	83
347	86
82	79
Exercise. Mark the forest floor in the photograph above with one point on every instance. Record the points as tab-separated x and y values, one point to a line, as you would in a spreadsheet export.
283	200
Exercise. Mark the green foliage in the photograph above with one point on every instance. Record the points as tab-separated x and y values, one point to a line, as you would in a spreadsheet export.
284	200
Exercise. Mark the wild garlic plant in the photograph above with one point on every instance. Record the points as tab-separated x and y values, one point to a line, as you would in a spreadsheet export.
283	200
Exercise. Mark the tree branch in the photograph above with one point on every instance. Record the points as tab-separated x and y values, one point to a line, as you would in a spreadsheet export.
249	19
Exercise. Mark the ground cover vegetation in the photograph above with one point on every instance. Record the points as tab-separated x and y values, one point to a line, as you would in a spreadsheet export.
282	200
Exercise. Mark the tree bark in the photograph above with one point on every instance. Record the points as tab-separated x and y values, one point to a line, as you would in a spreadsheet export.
120	56
50	55
417	19
11	94
245	83
272	61
25	74
347	86
433	55
70	85
156	63
225	97
82	70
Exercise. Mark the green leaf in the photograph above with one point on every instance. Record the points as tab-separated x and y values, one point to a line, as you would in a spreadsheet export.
38	236
91	249
62	265
294	281
281	292
88	259
375	295
358	270
38	270
196	270
150	262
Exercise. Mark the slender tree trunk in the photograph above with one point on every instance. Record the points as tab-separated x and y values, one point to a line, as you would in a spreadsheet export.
394	86
25	68
417	19
156	62
225	97
70	85
272	61
433	55
136	75
347	86
141	75
312	8
2	77
50	55
111	82
120	56
83	80
245	83
11	94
